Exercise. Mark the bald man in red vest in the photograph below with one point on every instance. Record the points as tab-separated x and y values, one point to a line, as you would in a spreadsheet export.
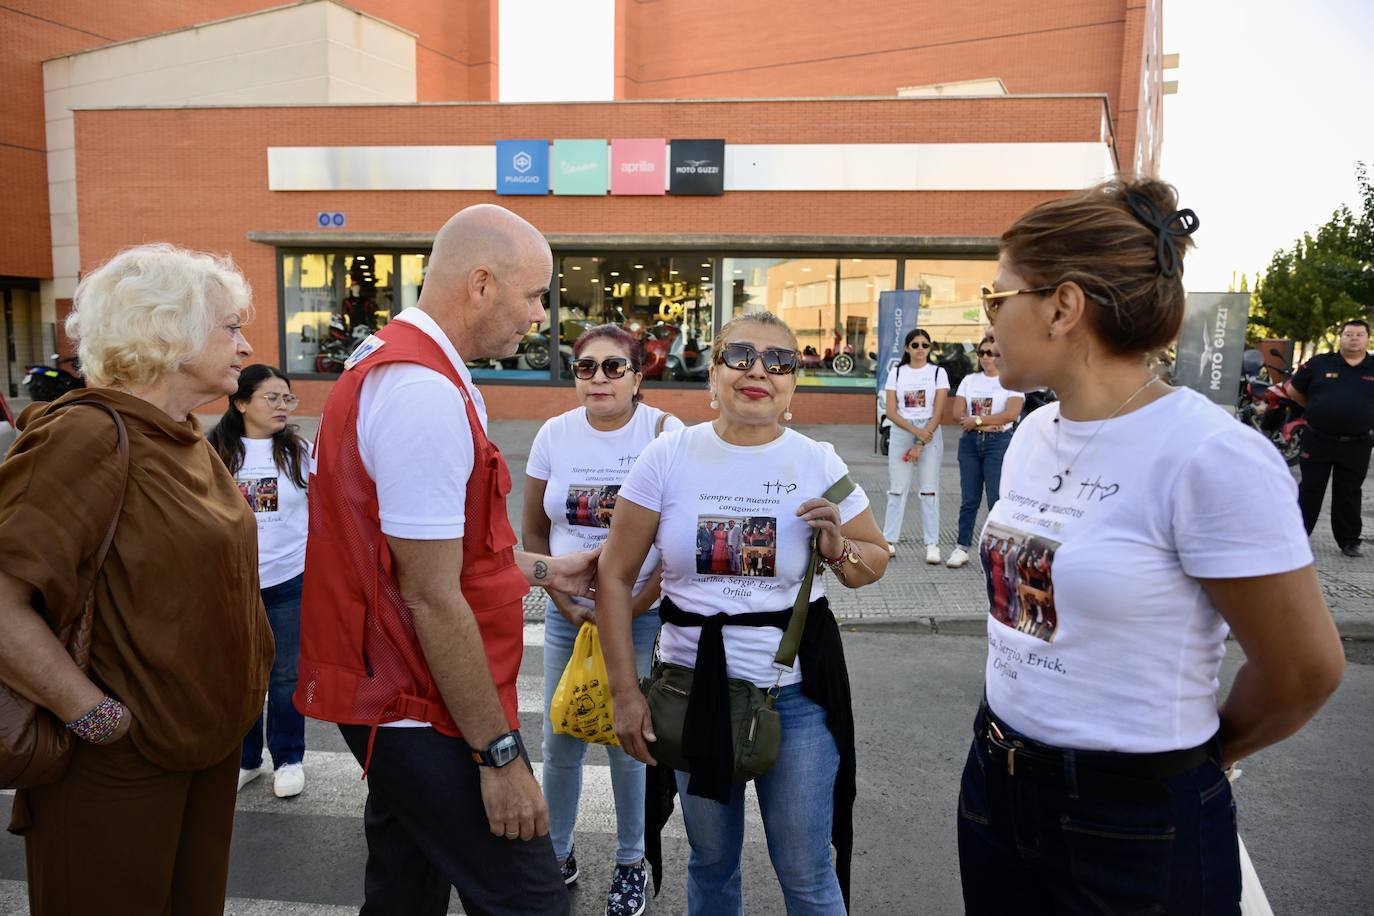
411	620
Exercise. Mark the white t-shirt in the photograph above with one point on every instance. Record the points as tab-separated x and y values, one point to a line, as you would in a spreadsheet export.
728	533
584	468
984	395
1100	636
416	444
915	389
281	511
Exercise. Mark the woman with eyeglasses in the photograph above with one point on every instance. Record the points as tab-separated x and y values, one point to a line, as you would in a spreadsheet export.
1096	779
916	391
271	464
986	412
591	448
742	468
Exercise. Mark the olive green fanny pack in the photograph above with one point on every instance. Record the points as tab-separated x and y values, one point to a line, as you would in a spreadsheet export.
755	727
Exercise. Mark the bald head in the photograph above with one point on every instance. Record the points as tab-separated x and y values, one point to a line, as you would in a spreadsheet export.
488	272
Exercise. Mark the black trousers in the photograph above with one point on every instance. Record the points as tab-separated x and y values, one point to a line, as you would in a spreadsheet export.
427	830
1345	464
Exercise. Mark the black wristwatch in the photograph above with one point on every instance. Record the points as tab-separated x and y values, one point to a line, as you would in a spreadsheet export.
500	752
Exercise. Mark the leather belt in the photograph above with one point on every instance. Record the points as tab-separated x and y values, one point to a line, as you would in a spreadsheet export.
1092	773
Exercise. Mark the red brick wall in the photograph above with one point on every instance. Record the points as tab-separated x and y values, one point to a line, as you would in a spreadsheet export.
455	61
206	188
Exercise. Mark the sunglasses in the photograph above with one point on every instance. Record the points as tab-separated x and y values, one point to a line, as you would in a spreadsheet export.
613	368
741	356
986	353
918	345
992	300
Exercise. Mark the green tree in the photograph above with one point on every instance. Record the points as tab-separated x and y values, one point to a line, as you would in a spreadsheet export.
1325	278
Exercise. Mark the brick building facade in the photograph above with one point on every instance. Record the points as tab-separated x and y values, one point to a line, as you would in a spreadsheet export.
197	171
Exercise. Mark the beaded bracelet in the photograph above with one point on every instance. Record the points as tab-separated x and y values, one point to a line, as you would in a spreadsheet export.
100	722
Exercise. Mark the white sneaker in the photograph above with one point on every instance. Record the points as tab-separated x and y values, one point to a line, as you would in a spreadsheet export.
932	554
958	558
247	776
288	780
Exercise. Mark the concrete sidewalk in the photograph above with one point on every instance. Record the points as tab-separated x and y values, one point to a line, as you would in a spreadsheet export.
914	593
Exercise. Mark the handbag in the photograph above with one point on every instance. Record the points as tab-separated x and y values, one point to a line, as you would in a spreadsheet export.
755	727
35	746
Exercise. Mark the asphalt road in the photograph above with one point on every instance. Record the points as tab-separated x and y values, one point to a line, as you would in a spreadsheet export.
1303	805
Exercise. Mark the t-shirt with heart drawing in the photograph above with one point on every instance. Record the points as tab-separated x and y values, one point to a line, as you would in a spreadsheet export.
1100	635
729	536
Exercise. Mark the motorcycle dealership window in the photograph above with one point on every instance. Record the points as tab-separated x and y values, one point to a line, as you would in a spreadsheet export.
831	304
666	301
332	301
950	307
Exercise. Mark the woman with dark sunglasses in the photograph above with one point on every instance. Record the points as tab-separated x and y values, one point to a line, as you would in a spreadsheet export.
590	449
986	412
916	391
1096	779
746	468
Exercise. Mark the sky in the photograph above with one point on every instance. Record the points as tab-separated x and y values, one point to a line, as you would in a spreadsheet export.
1275	105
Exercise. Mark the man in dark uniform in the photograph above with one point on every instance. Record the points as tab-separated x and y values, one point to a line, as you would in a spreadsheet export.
1337	389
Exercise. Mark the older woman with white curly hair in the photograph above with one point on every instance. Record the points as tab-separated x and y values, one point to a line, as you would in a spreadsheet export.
180	647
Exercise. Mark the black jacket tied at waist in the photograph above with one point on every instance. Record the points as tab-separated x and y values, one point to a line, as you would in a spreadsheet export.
707	739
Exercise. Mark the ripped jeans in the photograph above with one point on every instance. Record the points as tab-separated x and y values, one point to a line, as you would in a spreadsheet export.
926	470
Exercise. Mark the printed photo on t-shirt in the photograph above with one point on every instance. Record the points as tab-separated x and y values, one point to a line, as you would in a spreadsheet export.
980	407
1020	585
591	506
737	546
914	397
261	493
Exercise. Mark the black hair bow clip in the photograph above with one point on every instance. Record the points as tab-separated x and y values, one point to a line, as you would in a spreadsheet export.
1178	224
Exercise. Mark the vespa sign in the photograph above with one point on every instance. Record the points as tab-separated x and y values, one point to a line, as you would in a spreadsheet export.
1211	343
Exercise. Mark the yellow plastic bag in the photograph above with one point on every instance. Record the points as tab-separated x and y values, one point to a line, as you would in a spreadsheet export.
581	705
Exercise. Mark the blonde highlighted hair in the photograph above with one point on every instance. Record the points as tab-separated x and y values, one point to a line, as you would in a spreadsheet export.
151	310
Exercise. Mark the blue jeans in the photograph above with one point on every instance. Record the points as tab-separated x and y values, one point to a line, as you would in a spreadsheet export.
796	800
285	726
980	468
1034	845
563	753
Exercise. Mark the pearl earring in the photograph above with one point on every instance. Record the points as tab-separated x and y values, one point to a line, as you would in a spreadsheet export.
787	414
715	405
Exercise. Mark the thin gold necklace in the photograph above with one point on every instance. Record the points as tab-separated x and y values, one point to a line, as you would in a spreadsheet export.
1068	468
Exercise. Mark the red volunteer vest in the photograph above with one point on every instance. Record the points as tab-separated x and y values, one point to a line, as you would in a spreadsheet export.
361	662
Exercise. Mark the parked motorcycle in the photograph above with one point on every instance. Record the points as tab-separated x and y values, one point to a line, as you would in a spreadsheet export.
1265	405
338	343
48	383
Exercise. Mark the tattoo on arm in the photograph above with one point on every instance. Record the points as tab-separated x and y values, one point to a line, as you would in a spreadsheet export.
541	569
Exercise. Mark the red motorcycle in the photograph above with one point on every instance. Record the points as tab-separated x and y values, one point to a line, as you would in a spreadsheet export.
1266	406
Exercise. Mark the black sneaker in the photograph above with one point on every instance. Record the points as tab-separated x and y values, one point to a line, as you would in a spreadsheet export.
1352	550
569	867
628	895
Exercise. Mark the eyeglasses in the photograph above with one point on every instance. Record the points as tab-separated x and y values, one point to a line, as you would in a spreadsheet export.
919	345
986	353
992	300
612	367
289	401
741	356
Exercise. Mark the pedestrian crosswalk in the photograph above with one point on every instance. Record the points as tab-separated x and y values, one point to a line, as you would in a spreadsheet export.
326	821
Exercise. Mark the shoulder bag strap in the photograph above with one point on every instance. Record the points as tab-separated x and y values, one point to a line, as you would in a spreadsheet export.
791	639
662	420
123	447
